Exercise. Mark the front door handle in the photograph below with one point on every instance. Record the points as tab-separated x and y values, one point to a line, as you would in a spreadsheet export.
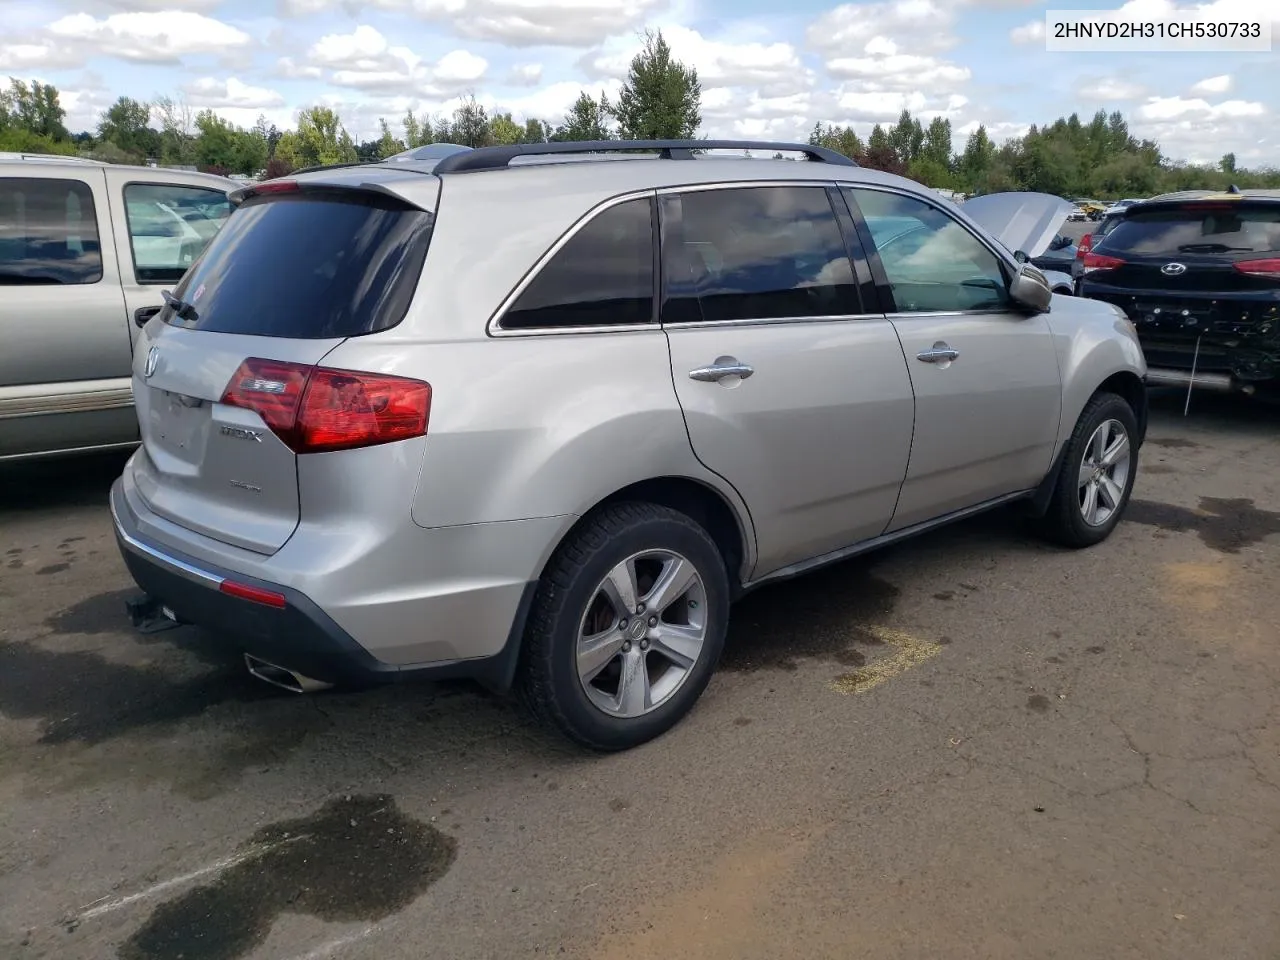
143	314
723	368
938	353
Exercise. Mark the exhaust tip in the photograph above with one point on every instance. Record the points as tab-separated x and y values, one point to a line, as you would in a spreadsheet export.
282	677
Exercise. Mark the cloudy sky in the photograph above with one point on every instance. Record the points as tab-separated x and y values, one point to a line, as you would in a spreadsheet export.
769	68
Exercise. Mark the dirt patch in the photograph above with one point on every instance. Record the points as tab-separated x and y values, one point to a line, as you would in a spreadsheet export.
357	858
1158	469
1173	443
1224	525
824	616
1038	703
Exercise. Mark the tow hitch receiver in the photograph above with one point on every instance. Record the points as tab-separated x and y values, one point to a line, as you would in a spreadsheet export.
149	615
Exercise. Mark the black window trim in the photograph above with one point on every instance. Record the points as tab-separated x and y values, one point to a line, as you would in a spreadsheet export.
1007	263
128	231
869	310
494	328
95	215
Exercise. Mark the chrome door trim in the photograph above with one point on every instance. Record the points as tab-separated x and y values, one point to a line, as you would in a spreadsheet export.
91	396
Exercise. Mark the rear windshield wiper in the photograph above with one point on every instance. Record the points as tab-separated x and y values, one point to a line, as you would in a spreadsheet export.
1211	248
179	306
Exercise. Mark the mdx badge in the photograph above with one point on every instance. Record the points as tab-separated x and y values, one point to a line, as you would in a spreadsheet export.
153	358
241	433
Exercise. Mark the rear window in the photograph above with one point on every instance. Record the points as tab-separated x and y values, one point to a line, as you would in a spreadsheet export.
308	267
1217	229
48	233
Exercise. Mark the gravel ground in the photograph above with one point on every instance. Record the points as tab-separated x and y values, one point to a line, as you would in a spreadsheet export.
972	745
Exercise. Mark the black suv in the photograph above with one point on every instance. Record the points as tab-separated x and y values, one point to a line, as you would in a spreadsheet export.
1198	273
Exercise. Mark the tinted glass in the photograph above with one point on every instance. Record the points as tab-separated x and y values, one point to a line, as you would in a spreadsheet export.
169	227
932	262
756	253
48	233
602	276
1235	229
308	268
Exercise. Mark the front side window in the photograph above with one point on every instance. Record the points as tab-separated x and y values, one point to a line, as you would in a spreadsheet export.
755	253
602	276
48	233
932	262
169	226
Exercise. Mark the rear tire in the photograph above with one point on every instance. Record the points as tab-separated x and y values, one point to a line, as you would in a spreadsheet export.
1099	466
626	627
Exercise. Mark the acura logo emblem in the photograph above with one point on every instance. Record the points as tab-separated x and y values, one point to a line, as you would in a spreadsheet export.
1173	269
153	357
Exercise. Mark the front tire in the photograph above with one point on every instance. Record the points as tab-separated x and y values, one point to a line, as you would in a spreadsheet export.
1099	467
626	627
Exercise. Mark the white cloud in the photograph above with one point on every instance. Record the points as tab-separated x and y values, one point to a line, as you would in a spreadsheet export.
162	36
515	23
525	75
772	68
231	92
1172	108
920	26
900	71
364	59
1110	89
998	132
1212	85
1032	32
288	68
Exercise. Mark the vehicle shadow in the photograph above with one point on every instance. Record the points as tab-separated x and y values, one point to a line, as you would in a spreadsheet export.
59	483
1231	414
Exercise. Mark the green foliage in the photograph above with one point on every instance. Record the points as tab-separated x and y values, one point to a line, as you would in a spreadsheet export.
388	145
320	139
35	109
842	140
19	140
587	119
126	126
504	131
661	97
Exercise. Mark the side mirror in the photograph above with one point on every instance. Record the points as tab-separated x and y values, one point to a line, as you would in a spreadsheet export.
1030	289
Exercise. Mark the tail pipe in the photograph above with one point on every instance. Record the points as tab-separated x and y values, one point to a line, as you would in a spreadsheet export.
283	677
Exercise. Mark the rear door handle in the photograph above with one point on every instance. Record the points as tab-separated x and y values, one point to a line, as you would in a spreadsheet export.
937	353
143	314
723	367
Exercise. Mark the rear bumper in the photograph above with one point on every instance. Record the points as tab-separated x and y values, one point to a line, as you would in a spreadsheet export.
299	636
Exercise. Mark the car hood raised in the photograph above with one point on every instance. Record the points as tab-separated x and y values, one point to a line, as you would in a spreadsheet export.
1021	221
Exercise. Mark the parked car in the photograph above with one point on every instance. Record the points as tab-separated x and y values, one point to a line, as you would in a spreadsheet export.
539	424
1198	274
85	250
1036	219
1086	244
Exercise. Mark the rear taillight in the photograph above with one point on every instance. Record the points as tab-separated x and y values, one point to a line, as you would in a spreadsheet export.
1085	245
243	591
1269	268
315	409
1097	261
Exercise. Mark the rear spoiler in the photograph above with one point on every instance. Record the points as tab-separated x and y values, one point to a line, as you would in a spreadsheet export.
288	185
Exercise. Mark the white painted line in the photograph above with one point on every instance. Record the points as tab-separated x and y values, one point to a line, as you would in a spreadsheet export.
333	946
98	907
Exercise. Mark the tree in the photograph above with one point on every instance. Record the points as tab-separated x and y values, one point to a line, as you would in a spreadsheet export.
387	145
126	125
587	119
535	131
661	97
842	140
216	145
177	145
977	159
881	153
907	138
470	123
320	140
936	147
1228	163
505	131
37	109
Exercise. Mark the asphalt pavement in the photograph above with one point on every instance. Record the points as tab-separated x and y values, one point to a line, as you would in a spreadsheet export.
969	746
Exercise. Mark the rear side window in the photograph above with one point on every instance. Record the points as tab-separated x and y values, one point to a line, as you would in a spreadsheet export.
1232	228
755	253
308	266
169	227
48	233
603	275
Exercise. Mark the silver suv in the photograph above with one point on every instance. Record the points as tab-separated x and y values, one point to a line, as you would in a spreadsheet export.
539	423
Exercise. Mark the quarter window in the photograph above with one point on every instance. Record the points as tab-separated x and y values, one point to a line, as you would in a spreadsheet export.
932	262
603	275
755	253
169	226
48	233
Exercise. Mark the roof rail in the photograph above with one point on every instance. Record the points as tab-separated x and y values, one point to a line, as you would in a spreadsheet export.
496	158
